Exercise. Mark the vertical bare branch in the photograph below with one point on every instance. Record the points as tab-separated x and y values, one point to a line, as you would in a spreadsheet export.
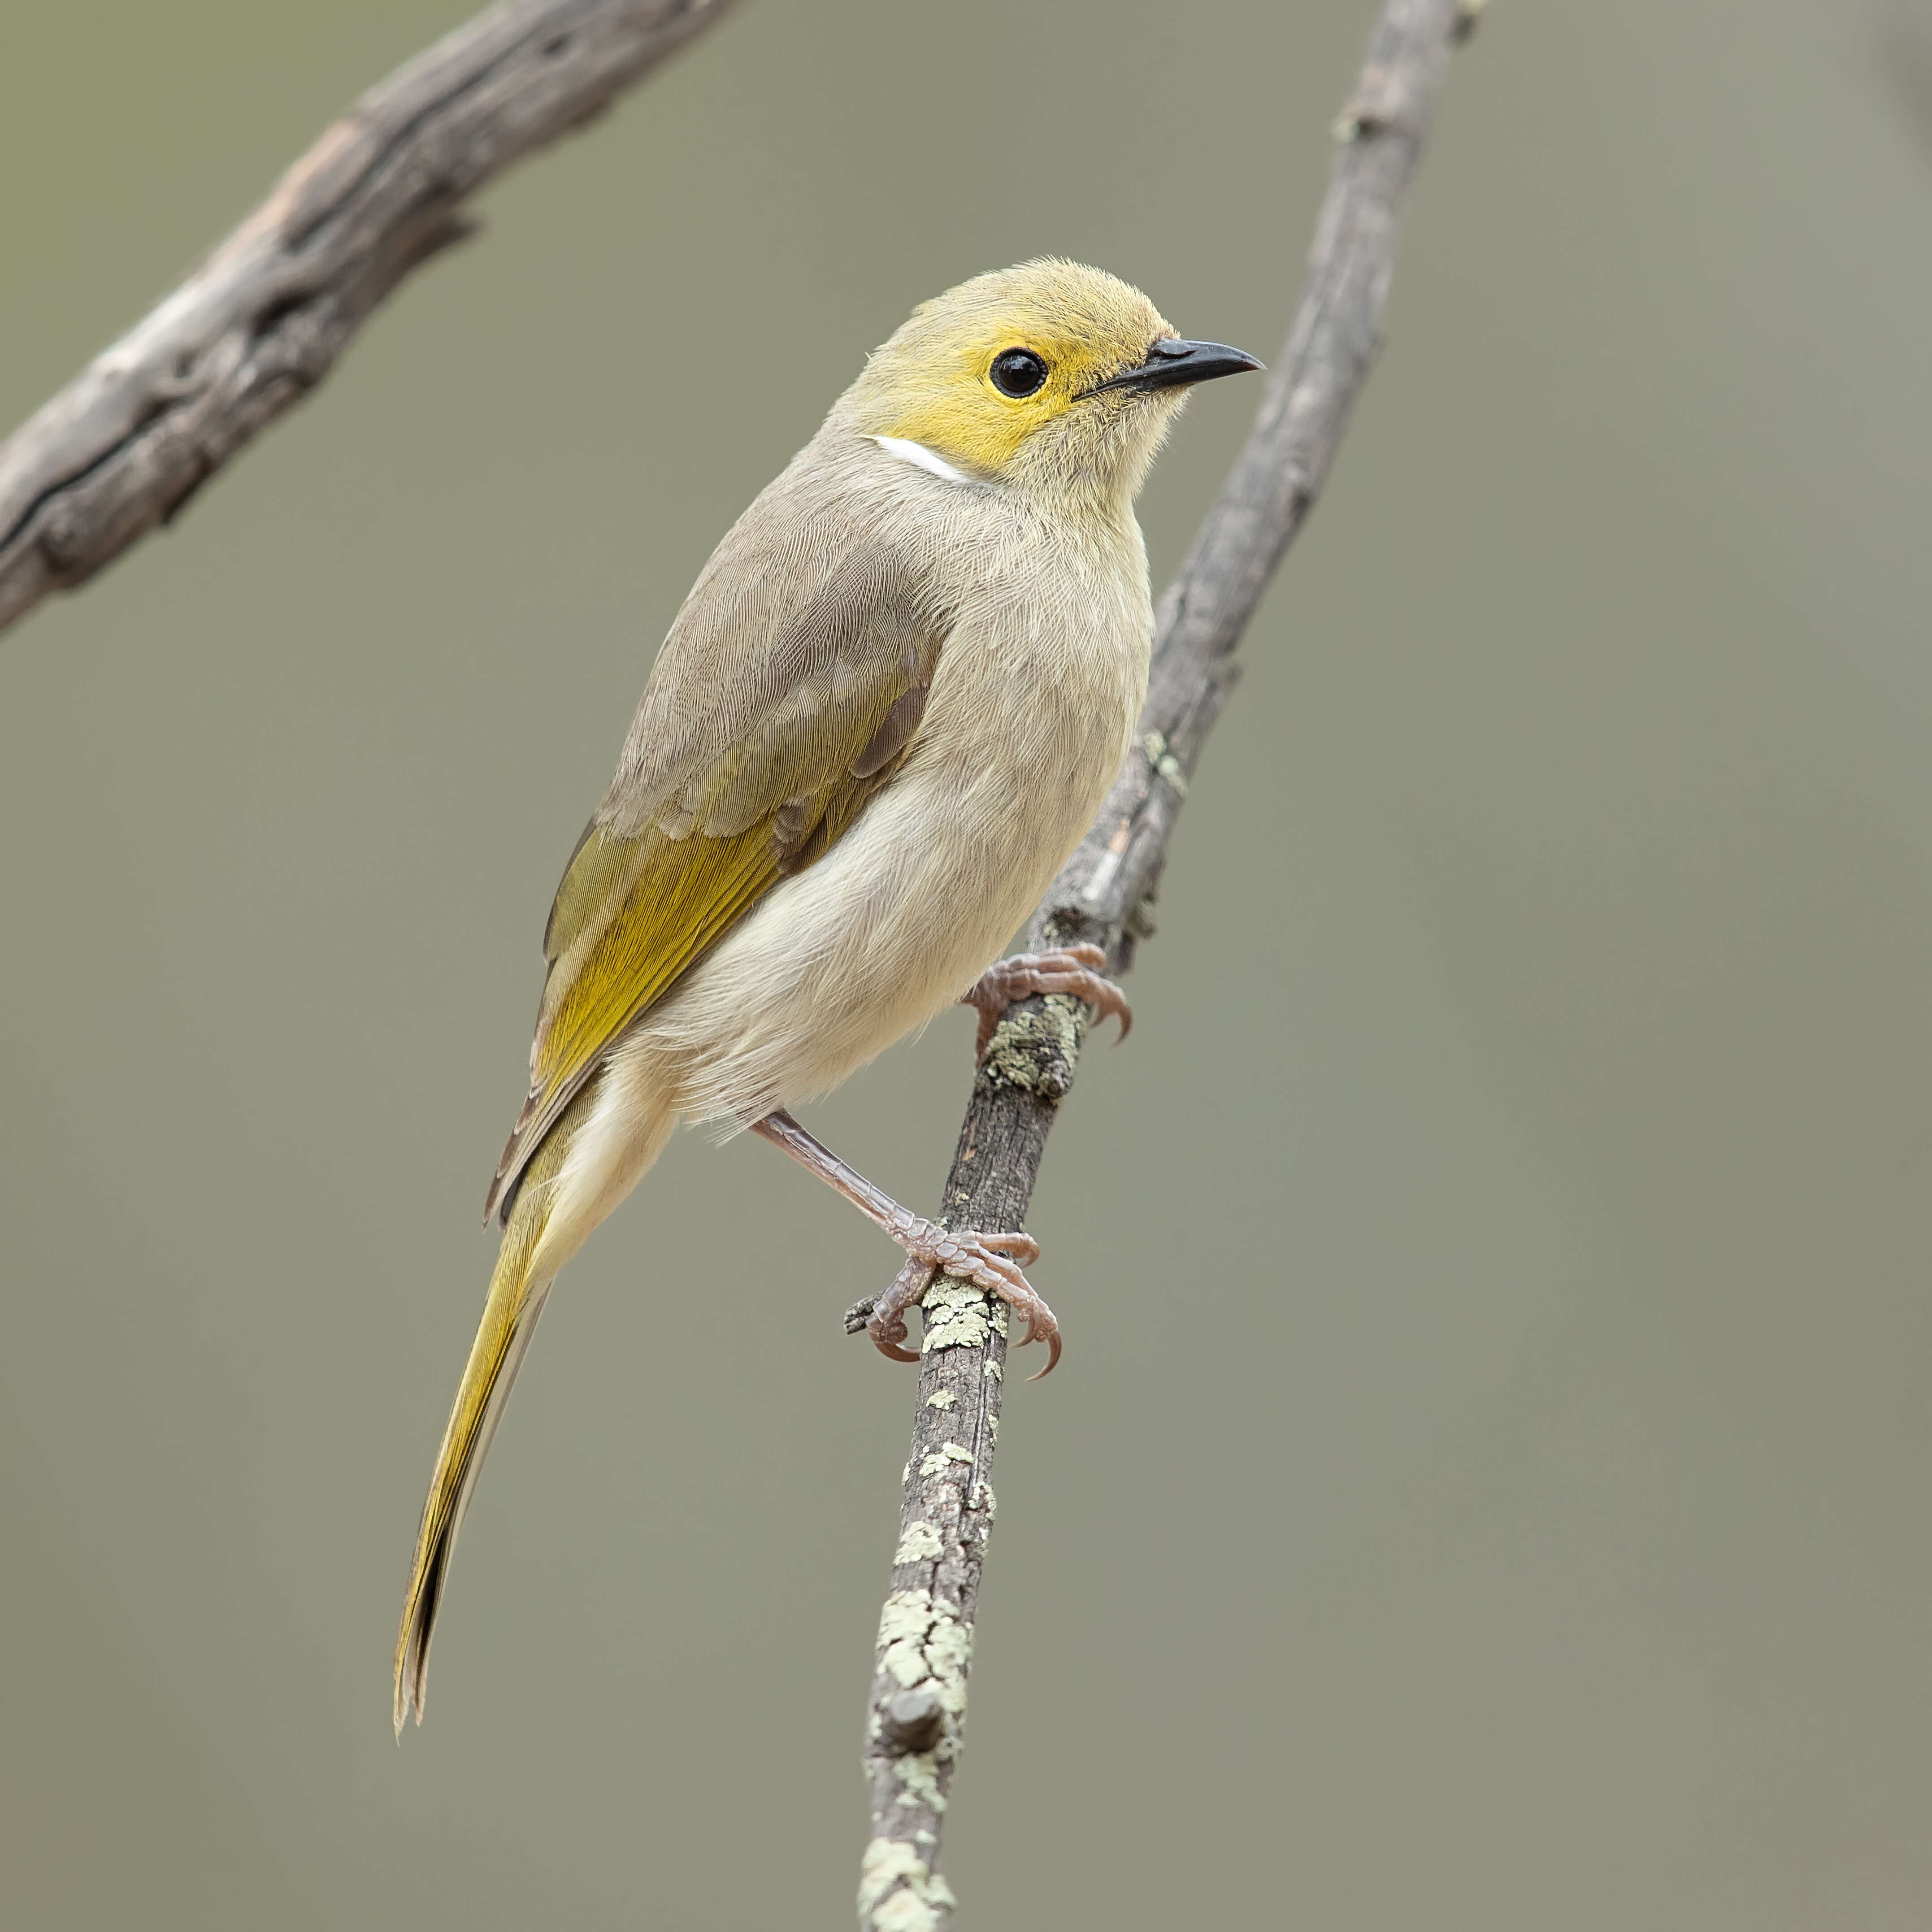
262	321
915	1725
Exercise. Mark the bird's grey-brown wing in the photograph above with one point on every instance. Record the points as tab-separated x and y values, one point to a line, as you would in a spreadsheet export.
789	689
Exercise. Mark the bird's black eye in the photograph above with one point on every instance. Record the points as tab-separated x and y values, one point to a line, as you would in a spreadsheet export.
1017	372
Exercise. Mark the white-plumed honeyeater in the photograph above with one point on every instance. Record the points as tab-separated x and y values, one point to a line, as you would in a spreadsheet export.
887	711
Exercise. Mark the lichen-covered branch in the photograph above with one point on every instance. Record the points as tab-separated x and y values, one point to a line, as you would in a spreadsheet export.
262	320
915	1725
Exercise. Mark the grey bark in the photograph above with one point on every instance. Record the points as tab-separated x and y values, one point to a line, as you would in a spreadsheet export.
253	330
915	1722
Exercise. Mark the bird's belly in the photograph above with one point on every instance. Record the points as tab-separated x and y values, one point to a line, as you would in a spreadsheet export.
904	912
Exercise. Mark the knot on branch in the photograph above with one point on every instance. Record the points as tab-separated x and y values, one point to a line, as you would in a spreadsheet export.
65	537
1381	103
911	1721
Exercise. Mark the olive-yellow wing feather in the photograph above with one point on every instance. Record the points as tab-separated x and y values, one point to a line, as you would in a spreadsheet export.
788	691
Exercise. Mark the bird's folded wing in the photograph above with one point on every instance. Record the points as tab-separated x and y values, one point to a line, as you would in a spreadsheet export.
788	692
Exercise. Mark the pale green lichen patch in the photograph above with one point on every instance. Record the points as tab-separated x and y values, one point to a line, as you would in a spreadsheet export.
1164	761
922	1639
906	1662
942	1458
1037	1052
920	1544
907	1613
896	1891
918	1777
994	1370
941	1398
906	1912
949	1650
887	1863
903	1624
983	1499
955	1317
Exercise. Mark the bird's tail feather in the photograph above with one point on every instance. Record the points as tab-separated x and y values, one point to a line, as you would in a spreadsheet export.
516	1300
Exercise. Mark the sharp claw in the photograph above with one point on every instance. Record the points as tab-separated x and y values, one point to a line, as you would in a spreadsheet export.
886	1326
1047	1330
1023	1248
1068	969
992	1262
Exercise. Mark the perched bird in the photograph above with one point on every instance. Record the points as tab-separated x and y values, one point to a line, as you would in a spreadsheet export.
888	709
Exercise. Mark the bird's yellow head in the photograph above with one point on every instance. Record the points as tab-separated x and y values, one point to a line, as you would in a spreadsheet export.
1049	374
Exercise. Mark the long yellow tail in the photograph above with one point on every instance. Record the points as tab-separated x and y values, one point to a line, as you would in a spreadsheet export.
516	1300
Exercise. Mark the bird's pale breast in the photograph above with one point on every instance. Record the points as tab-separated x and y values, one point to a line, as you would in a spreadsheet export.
1040	679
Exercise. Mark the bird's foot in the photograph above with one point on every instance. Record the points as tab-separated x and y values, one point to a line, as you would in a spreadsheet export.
992	1262
1066	970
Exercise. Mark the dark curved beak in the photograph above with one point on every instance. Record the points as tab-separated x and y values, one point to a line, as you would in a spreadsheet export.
1171	362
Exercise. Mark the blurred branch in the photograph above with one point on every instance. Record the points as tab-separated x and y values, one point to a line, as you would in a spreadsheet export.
915	1724
1904	32
252	331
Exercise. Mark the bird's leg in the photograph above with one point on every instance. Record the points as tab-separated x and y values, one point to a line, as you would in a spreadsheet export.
990	1261
1068	969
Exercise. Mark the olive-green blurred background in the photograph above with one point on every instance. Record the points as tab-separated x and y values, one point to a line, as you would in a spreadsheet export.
1486	1487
